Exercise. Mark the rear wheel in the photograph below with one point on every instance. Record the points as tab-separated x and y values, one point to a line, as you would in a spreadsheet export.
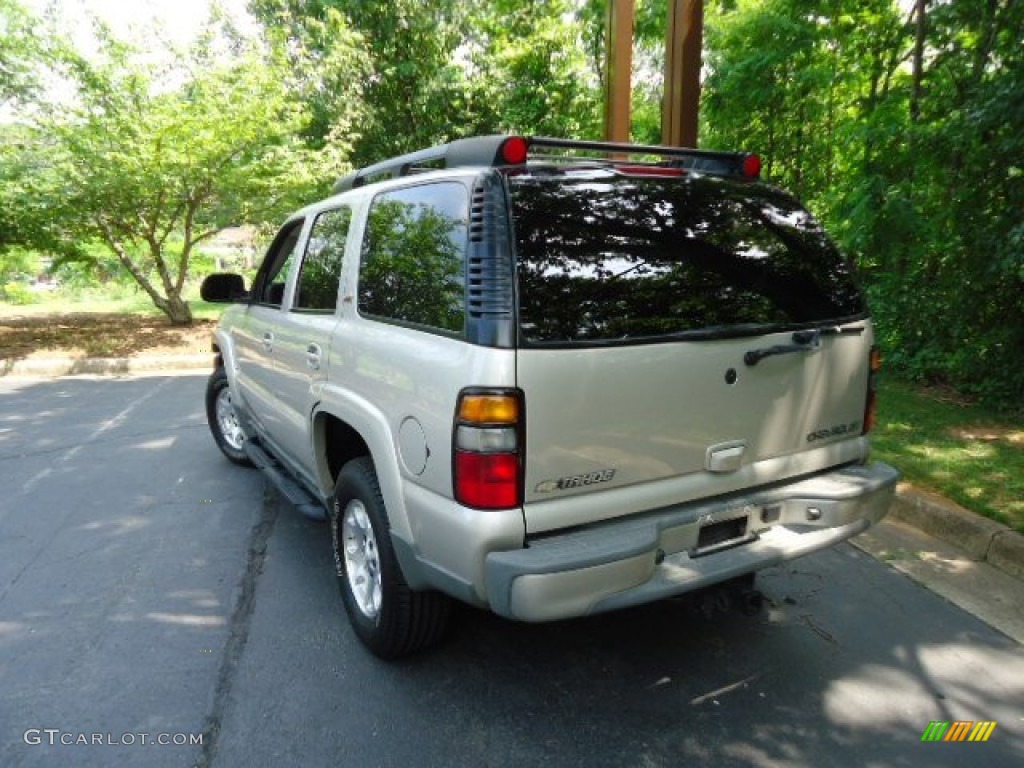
390	619
223	420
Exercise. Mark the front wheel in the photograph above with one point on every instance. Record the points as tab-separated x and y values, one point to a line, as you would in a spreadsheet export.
390	619
224	425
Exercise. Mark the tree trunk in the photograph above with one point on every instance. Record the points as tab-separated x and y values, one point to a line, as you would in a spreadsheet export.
177	309
917	75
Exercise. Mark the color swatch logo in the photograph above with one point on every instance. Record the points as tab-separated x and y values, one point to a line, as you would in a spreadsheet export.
958	730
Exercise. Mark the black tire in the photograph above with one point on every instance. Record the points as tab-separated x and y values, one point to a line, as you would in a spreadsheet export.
390	619
220	415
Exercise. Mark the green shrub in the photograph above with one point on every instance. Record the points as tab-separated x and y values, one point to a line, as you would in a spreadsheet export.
18	293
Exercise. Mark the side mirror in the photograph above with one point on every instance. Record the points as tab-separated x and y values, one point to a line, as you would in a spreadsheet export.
223	288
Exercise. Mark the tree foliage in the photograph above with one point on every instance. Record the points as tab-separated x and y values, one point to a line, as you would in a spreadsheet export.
530	69
151	157
19	49
905	132
901	124
445	69
413	89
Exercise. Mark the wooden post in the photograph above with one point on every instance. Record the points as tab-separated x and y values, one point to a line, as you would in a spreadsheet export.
683	40
618	70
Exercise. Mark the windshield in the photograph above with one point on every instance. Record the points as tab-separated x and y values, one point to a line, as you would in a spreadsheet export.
604	257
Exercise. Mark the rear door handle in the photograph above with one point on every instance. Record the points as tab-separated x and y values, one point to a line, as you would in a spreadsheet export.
268	342
313	352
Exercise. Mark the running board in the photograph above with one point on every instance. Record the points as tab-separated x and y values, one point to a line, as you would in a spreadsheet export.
296	495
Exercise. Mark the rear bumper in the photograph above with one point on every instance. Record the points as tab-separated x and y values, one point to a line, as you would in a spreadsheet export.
648	557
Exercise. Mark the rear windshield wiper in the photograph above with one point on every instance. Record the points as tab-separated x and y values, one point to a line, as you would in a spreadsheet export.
803	341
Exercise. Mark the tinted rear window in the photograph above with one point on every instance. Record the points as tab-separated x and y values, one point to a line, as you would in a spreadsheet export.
604	257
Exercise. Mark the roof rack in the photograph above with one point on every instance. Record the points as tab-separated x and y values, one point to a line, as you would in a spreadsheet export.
510	150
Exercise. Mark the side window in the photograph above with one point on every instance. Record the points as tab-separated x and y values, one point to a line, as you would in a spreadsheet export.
274	272
321	266
414	254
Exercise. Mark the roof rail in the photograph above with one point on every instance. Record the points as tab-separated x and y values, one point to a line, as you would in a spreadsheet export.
506	150
480	150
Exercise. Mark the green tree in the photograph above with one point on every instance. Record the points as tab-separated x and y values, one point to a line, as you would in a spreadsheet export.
963	184
415	91
444	69
903	128
530	69
150	158
18	51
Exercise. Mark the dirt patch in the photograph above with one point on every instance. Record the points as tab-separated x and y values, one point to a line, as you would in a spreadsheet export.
80	335
987	434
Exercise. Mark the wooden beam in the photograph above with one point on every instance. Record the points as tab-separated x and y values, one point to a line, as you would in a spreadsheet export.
683	41
618	70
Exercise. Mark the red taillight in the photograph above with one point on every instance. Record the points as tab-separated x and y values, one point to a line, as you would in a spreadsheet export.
487	480
487	457
871	403
513	150
751	166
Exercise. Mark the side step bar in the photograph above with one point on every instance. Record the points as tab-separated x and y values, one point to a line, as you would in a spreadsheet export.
296	495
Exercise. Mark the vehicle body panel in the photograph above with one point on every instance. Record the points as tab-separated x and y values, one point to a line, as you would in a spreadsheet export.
656	412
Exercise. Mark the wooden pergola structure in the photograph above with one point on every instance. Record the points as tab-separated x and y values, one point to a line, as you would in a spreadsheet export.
683	38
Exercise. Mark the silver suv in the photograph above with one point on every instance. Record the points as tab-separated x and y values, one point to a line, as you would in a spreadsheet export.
552	378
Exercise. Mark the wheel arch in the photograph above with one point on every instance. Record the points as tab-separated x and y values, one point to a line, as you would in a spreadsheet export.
337	440
223	347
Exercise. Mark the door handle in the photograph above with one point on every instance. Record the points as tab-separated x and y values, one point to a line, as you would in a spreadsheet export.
313	356
268	342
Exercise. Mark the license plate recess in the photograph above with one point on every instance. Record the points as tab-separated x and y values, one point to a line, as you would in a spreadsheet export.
721	535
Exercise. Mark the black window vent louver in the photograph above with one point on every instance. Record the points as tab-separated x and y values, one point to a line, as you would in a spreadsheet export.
489	271
476	214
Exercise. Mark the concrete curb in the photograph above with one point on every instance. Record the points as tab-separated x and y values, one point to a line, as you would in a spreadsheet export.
982	539
1007	553
70	366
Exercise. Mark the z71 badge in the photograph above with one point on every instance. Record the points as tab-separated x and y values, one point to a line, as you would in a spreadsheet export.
575	481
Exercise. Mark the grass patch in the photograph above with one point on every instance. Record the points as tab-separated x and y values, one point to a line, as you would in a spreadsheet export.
131	304
956	449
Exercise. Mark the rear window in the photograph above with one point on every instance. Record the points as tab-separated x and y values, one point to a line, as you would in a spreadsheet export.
604	258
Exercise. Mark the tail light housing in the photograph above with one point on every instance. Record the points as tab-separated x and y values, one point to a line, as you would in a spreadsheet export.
871	403
487	448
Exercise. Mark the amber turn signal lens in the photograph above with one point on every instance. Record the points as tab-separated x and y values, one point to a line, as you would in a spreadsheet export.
489	409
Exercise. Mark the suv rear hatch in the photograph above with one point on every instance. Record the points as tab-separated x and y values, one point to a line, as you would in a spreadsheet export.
679	338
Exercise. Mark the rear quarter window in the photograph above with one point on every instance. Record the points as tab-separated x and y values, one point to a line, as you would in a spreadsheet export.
413	258
609	258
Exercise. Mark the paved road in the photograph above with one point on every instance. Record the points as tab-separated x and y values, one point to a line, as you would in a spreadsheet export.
148	586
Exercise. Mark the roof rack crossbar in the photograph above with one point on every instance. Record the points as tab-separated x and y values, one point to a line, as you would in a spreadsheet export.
487	151
617	148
